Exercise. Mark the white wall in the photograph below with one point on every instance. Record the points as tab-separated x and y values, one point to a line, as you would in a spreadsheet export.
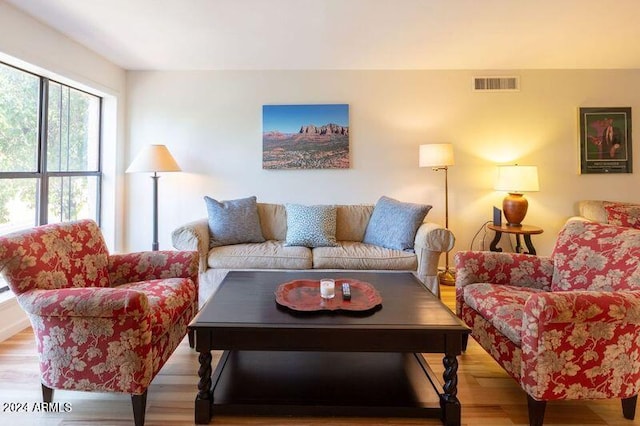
31	45
211	121
26	43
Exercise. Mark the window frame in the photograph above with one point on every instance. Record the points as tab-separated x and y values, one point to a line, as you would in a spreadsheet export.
42	174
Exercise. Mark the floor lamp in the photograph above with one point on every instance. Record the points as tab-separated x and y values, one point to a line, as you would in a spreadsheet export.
154	159
439	156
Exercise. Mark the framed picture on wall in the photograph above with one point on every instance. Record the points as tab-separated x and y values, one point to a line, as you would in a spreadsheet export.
305	136
605	140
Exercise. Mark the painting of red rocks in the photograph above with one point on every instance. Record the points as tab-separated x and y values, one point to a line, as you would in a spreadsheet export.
305	136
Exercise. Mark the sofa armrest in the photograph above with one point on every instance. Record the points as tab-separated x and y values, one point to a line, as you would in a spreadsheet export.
592	210
581	218
434	237
431	241
152	265
581	343
501	268
193	236
96	302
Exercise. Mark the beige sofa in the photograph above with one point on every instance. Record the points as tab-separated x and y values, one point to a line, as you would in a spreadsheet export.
594	210
351	254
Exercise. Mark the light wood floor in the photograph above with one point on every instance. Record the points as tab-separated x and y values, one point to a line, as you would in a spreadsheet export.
488	395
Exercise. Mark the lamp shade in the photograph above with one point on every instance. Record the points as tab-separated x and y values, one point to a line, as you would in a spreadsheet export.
153	158
517	179
436	155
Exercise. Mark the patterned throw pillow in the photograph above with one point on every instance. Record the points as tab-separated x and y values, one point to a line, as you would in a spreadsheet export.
623	214
233	222
394	224
311	226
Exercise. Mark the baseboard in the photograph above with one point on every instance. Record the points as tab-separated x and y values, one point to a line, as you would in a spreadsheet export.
13	317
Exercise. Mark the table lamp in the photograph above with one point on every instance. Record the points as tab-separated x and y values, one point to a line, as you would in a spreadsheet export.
154	159
516	180
439	156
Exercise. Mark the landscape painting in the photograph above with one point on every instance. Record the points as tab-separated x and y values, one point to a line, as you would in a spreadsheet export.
305	136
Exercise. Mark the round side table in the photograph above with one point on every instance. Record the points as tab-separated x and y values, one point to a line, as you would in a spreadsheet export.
525	230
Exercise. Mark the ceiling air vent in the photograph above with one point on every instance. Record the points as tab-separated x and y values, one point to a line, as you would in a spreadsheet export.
496	84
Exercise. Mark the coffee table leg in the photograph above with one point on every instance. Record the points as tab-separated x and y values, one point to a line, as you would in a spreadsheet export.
449	402
204	399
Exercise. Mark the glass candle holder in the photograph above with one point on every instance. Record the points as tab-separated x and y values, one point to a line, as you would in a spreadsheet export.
327	288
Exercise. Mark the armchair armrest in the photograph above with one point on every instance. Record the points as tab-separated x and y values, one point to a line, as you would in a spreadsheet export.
151	265
581	344
96	338
501	268
193	236
430	242
96	302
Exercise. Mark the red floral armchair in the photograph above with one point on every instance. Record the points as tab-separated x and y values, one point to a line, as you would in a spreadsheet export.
101	322
565	326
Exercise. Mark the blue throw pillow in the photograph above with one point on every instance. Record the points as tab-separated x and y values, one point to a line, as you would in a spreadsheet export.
233	222
394	224
311	226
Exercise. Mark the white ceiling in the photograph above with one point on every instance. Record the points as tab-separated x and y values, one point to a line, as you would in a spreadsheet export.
350	34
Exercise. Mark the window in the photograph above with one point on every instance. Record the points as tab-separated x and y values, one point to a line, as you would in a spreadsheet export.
49	152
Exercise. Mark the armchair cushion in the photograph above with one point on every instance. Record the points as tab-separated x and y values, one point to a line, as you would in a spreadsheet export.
514	269
593	256
85	302
501	305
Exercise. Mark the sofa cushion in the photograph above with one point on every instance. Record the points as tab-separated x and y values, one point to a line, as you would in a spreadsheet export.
311	226
268	255
501	305
233	221
623	214
354	255
593	256
273	220
352	221
394	224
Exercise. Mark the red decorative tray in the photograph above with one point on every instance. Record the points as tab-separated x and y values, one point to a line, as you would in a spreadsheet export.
304	295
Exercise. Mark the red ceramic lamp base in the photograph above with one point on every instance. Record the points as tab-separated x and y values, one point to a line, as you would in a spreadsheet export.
515	208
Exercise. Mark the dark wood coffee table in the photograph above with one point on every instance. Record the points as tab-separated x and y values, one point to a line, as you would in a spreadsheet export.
279	362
